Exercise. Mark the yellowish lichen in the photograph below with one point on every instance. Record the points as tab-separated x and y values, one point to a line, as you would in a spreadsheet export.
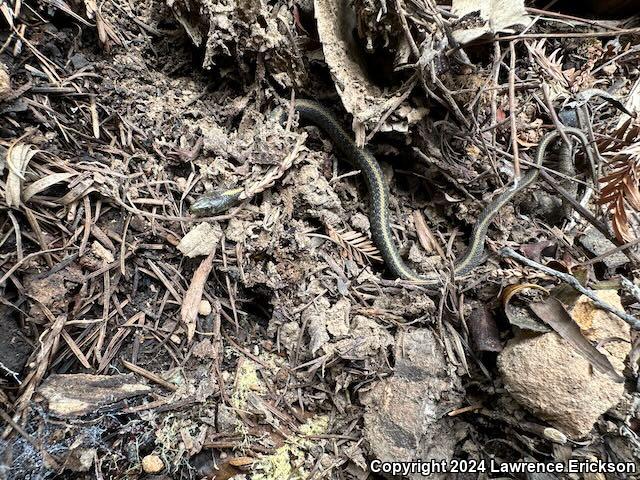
247	381
276	466
286	463
315	426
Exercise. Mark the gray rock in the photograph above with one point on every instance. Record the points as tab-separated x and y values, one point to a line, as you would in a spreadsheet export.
405	416
79	60
596	243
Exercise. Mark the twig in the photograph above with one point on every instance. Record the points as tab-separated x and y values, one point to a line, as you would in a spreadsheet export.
571	280
409	86
407	32
554	116
606	33
630	287
17	265
585	213
533	85
149	375
529	163
172	218
512	111
548	13
608	253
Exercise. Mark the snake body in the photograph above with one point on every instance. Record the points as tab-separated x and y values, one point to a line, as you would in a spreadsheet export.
361	159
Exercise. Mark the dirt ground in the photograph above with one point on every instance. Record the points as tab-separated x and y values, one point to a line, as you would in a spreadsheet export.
269	341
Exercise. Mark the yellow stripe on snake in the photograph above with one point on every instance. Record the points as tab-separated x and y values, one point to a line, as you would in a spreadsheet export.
360	158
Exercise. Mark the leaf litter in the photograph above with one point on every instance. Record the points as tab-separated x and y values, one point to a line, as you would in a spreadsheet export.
268	341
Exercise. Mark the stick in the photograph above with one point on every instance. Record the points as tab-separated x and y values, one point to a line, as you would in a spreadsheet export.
565	277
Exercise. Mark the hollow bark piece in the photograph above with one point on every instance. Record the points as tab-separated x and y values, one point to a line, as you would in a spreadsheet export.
360	97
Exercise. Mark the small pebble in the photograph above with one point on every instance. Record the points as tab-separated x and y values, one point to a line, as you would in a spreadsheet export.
204	308
152	464
555	435
101	252
181	182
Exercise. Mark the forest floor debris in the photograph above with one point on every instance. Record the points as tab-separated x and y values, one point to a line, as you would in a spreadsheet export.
268	341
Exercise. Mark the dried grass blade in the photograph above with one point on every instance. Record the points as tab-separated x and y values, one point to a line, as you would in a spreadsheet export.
35	226
149	375
18	157
76	350
165	281
44	183
119	337
48	345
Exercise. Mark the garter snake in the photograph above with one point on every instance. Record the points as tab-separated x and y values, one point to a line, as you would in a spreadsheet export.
360	158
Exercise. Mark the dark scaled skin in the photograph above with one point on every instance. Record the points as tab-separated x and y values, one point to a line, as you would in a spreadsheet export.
311	112
214	203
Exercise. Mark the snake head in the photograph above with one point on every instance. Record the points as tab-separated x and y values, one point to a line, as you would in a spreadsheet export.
216	202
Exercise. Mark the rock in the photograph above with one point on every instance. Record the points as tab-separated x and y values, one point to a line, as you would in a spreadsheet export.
596	243
405	415
204	308
597	325
152	464
79	61
200	240
550	378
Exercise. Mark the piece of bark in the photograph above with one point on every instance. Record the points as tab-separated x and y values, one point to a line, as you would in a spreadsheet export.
75	395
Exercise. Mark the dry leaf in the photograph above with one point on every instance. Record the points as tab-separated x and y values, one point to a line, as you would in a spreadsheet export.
551	64
553	313
44	183
191	301
425	235
566	293
492	16
621	186
518	315
483	328
61	5
317	327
